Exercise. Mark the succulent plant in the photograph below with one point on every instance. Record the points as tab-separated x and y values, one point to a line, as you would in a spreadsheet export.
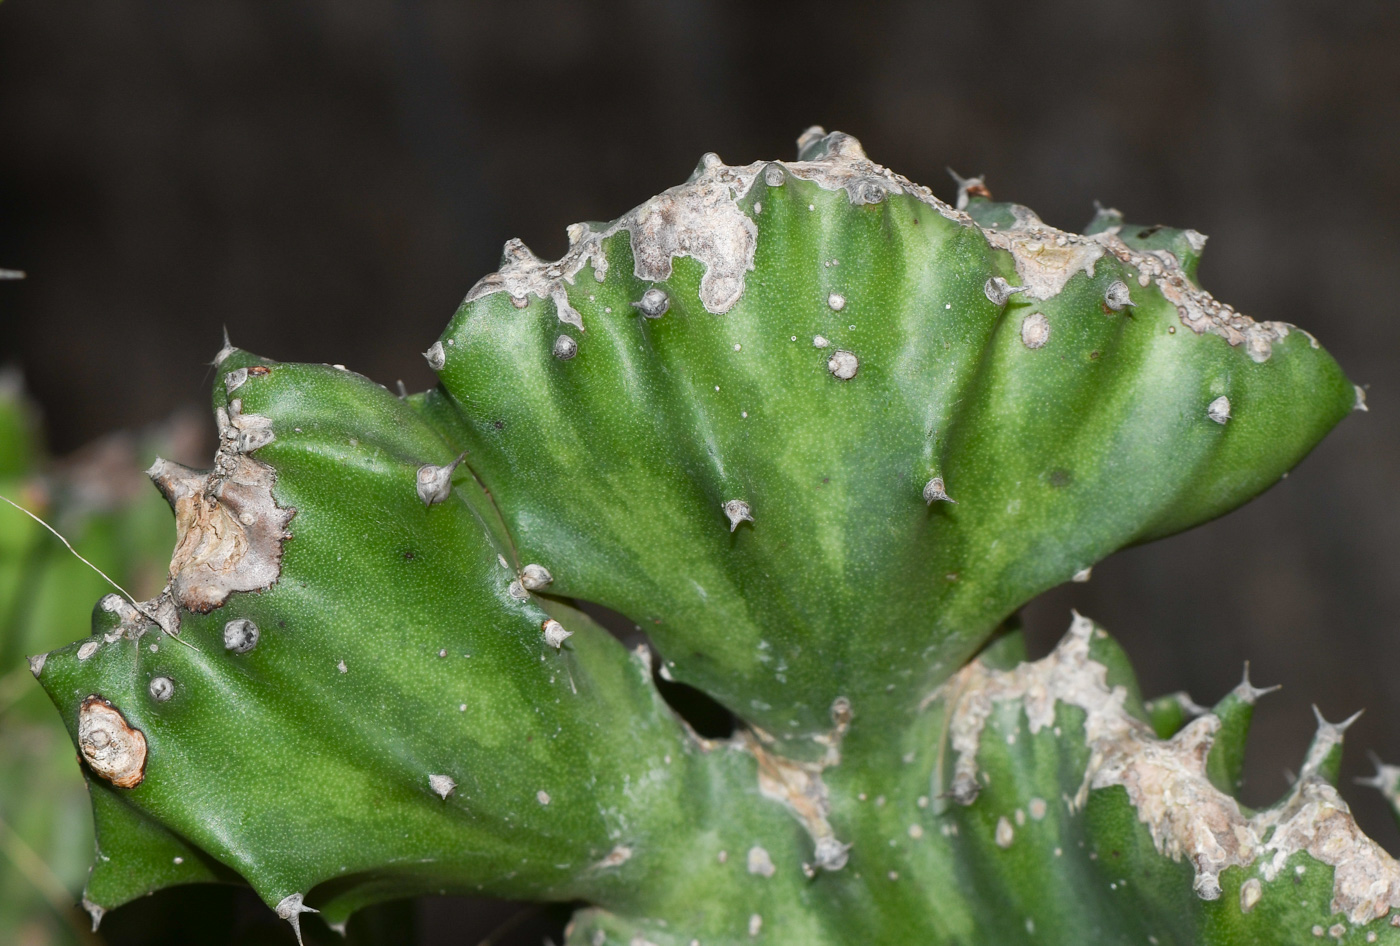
819	435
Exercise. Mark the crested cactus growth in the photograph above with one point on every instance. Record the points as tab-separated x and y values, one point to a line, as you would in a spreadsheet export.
820	435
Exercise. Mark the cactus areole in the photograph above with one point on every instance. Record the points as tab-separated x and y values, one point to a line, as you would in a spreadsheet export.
819	434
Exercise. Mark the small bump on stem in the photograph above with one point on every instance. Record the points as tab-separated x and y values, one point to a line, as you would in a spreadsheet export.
737	511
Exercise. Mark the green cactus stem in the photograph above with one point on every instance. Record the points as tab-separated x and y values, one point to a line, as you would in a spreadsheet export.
820	435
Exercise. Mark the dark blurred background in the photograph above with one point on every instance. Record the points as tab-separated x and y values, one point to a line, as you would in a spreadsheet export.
328	178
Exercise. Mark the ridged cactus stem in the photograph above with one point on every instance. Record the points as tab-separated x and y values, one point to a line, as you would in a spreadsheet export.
819	435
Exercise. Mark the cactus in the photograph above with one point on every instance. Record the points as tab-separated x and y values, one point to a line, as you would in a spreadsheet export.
819	435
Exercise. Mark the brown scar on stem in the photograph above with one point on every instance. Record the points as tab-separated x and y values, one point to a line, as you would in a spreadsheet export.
798	786
229	528
112	748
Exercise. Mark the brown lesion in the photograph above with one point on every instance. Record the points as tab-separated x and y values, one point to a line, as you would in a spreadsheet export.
229	529
113	748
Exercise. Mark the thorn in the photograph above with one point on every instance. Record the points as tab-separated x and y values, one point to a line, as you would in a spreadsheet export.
969	187
290	909
998	290
442	785
1083	575
737	511
1387	777
224	352
830	853
436	356
1189	705
435	482
1113	213
95	912
176	481
1118	296
403	391
13	274
934	491
1219	410
555	634
1360	399
535	577
1335	729
565	347
1248	692
653	304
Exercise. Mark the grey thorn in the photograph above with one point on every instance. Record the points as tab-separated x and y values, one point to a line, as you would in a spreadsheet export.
1248	692
1386	780
969	187
1360	399
1327	738
1117	296
773	175
95	912
36	664
403	391
934	491
12	274
564	347
1083	575
737	511
442	785
555	634
436	356
435	482
290	908
998	290
517	590
162	689
1219	409
653	304
240	635
1334	730
224	352
1190	706
830	853
535	577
